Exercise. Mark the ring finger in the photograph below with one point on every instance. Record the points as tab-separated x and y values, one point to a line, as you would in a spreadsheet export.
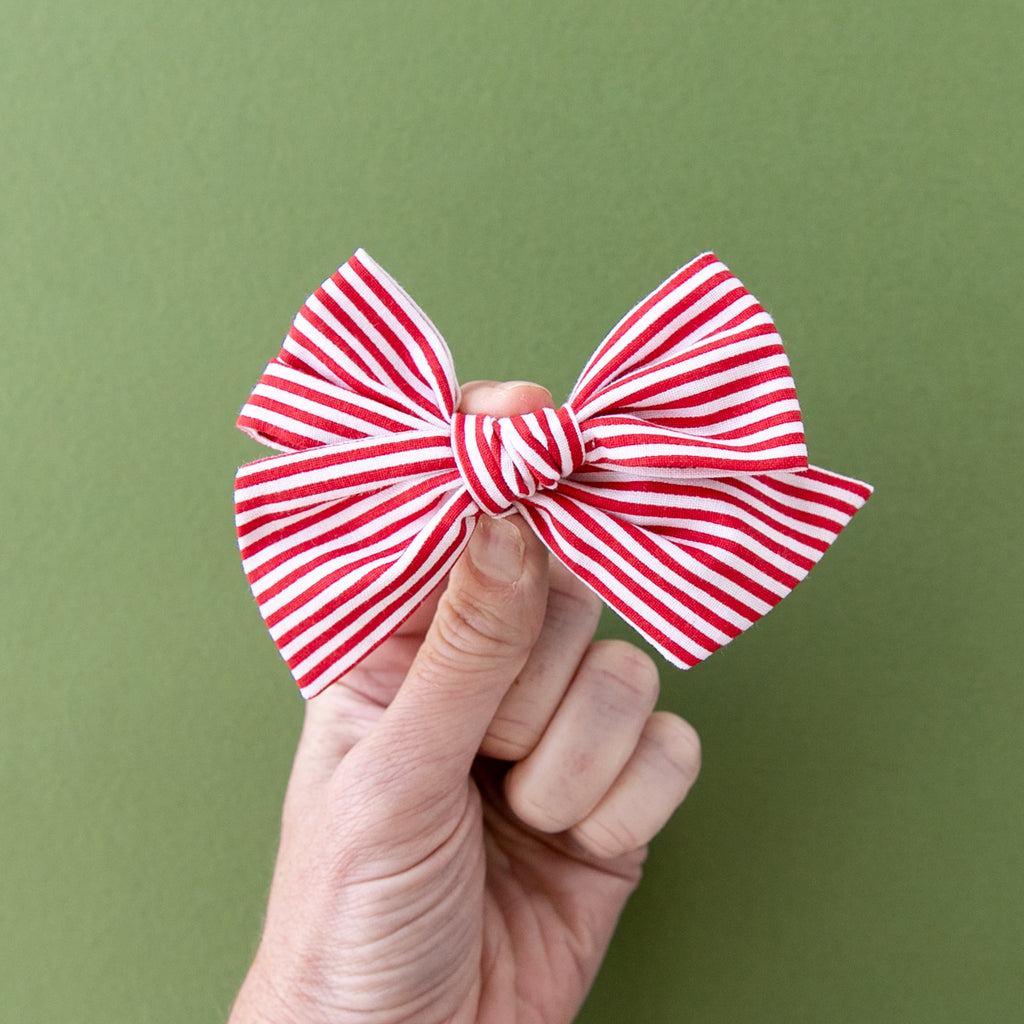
588	741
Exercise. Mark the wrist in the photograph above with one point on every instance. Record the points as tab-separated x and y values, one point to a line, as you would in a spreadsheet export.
263	1000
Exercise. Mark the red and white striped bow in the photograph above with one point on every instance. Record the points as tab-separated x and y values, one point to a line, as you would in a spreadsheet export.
674	481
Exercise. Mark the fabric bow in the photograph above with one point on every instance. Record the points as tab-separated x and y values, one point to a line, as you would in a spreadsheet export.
674	481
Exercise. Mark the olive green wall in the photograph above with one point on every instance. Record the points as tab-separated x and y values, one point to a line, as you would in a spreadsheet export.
176	177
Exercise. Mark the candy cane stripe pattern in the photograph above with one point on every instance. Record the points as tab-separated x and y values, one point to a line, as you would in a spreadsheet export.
674	481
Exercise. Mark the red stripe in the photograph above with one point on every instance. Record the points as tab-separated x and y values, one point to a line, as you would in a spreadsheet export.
735	387
427	552
671	581
686	536
263	397
412	599
681	331
273	436
567	546
684	423
540	448
722	340
697	377
440	373
322	491
727	332
687	296
683	457
786	508
397	354
573	435
365	383
686	529
729	335
858	488
391	512
638	344
613	444
782	487
595	379
336	428
394	446
599	495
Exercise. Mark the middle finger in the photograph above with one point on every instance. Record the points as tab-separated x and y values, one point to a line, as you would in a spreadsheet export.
572	614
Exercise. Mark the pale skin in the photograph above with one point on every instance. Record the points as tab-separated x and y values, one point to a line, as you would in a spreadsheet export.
469	809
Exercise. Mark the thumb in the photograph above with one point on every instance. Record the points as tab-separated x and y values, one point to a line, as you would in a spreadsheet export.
485	626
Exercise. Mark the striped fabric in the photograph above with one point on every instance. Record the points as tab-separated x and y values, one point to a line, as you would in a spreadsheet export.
674	481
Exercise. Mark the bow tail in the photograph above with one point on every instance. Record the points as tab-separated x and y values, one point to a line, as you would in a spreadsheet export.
338	614
692	565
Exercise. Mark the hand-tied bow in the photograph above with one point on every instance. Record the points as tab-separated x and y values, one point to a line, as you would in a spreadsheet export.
674	481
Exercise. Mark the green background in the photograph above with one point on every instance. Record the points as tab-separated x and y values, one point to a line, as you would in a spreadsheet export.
176	177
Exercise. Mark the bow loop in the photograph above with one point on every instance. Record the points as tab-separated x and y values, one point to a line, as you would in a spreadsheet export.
505	459
361	359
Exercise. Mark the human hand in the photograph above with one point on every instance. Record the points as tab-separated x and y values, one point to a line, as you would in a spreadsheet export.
469	808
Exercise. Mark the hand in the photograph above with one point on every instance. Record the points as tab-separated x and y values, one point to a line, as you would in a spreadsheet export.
469	809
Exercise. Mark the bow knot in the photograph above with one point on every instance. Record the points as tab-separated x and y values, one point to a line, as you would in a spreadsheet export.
504	459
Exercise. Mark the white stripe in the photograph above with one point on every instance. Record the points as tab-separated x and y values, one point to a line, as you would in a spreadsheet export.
531	463
342	478
745	462
647	436
402	339
672	554
431	334
567	532
417	585
743	419
653	511
333	395
557	432
690	340
731	489
310	503
620	396
480	471
364	536
381	373
816	487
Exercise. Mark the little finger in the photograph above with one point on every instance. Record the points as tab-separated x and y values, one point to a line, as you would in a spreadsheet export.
652	785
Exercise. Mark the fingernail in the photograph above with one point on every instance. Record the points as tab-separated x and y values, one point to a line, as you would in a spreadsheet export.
509	385
497	549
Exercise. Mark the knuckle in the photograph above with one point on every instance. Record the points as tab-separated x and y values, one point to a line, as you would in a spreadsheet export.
571	602
678	743
606	839
627	674
464	627
530	808
508	739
